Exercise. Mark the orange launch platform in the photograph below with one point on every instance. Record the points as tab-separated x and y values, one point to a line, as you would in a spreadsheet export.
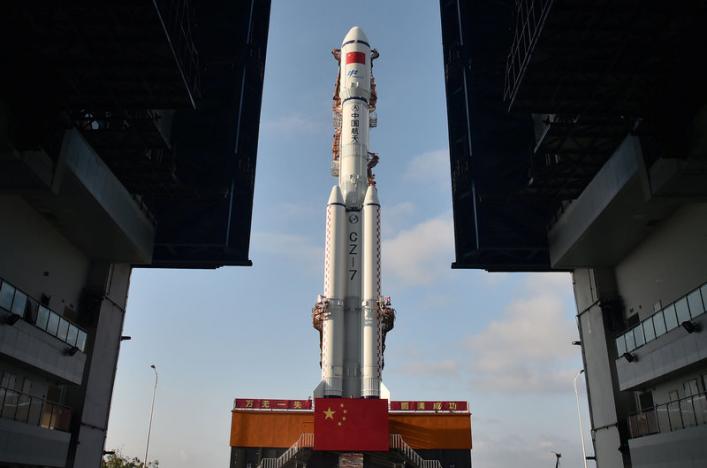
262	437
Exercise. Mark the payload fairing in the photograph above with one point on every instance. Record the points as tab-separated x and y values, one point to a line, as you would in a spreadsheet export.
351	315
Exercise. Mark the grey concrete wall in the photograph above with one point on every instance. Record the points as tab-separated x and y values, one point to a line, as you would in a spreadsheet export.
593	290
37	258
40	383
664	357
681	449
107	290
30	345
668	264
31	445
661	391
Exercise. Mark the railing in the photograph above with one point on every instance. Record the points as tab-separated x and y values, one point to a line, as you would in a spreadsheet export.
19	303
671	416
33	410
305	440
397	443
683	310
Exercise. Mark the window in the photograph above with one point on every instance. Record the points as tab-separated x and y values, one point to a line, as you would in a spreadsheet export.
694	300
682	310
53	323
81	340
690	387
27	386
648	330
42	317
31	310
8	380
673	395
630	342
645	401
638	335
620	345
7	292
71	336
659	324
63	329
18	305
671	320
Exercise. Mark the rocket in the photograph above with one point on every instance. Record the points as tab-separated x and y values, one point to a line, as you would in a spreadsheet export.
351	315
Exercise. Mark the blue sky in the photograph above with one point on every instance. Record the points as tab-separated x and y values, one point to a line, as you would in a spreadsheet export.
500	341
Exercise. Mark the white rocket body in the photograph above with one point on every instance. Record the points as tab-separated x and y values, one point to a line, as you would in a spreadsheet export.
351	343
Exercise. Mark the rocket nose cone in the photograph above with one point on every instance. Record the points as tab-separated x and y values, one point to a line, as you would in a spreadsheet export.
356	34
335	197
371	196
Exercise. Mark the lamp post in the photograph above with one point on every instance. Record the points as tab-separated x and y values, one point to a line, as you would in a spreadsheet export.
579	417
152	410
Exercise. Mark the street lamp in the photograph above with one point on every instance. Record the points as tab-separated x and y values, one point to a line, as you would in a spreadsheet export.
152	410
579	416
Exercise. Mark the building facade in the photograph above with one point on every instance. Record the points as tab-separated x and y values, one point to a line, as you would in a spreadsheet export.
128	138
578	143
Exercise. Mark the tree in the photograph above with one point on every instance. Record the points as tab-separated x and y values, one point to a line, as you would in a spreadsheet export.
117	460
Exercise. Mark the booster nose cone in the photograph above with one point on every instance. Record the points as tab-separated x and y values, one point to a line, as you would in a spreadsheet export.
356	34
335	197
371	196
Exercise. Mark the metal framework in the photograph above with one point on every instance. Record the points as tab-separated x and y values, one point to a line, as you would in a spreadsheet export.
167	93
539	95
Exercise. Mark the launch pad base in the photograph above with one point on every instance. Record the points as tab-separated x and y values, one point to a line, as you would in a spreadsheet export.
271	438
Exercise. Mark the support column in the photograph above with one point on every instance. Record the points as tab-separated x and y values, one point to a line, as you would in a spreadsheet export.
599	318
102	313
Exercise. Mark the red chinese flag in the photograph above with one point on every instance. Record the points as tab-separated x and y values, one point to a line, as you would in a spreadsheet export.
346	424
355	57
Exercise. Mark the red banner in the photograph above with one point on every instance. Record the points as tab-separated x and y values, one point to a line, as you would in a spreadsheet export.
243	403
264	404
347	424
429	406
355	57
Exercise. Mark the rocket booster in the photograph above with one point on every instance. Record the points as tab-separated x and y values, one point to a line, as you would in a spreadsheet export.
351	315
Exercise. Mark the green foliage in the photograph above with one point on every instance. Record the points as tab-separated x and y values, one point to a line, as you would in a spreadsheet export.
117	460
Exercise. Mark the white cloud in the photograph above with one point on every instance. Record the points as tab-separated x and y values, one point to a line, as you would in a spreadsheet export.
528	349
550	282
495	278
446	368
431	167
292	247
301	210
394	216
293	123
421	254
531	451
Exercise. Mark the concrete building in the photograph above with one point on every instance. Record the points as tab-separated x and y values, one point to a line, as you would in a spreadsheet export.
128	138
578	143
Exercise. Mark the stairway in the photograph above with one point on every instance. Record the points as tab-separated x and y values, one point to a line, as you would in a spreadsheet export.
397	443
306	441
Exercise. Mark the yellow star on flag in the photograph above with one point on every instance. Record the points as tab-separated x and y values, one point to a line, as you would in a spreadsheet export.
329	414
